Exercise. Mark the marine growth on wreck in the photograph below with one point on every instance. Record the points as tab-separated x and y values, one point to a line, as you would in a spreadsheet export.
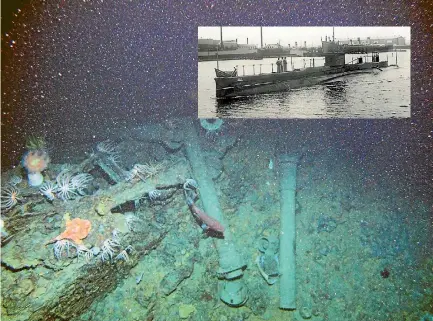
118	235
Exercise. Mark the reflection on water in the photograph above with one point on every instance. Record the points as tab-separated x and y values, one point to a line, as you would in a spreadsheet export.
227	107
335	96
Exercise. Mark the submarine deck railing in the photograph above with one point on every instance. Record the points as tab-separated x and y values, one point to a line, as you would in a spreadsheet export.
248	70
273	68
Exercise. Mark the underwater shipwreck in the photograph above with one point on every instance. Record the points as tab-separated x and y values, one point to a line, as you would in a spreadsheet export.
178	233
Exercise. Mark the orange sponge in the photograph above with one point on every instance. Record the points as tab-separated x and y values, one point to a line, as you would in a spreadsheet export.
76	230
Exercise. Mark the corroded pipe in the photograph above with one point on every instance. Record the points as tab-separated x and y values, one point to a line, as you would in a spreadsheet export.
287	169
232	290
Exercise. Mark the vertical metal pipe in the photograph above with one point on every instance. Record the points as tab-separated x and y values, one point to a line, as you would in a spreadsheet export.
287	171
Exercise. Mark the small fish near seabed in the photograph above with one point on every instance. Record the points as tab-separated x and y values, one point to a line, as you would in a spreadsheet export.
211	225
139	278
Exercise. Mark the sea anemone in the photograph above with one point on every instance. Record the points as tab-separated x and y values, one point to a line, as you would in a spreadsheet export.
108	249
15	180
131	221
64	190
83	251
154	195
48	190
107	147
123	256
61	246
68	186
36	143
144	171
35	161
10	196
79	182
190	184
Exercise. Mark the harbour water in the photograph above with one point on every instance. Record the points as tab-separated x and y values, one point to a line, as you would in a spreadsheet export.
384	94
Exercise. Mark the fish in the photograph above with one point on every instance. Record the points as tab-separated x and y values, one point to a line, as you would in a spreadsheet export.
209	223
139	278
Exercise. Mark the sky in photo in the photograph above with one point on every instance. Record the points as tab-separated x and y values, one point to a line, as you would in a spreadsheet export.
290	35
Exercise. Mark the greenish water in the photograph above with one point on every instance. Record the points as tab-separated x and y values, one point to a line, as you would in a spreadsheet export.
362	225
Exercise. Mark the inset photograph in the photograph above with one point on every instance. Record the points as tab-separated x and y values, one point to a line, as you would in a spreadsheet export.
304	72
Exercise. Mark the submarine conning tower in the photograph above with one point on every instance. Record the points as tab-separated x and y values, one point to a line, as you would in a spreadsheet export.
334	54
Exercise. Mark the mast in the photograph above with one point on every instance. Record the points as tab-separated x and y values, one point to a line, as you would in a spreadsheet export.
221	36
261	37
333	39
222	46
218	61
